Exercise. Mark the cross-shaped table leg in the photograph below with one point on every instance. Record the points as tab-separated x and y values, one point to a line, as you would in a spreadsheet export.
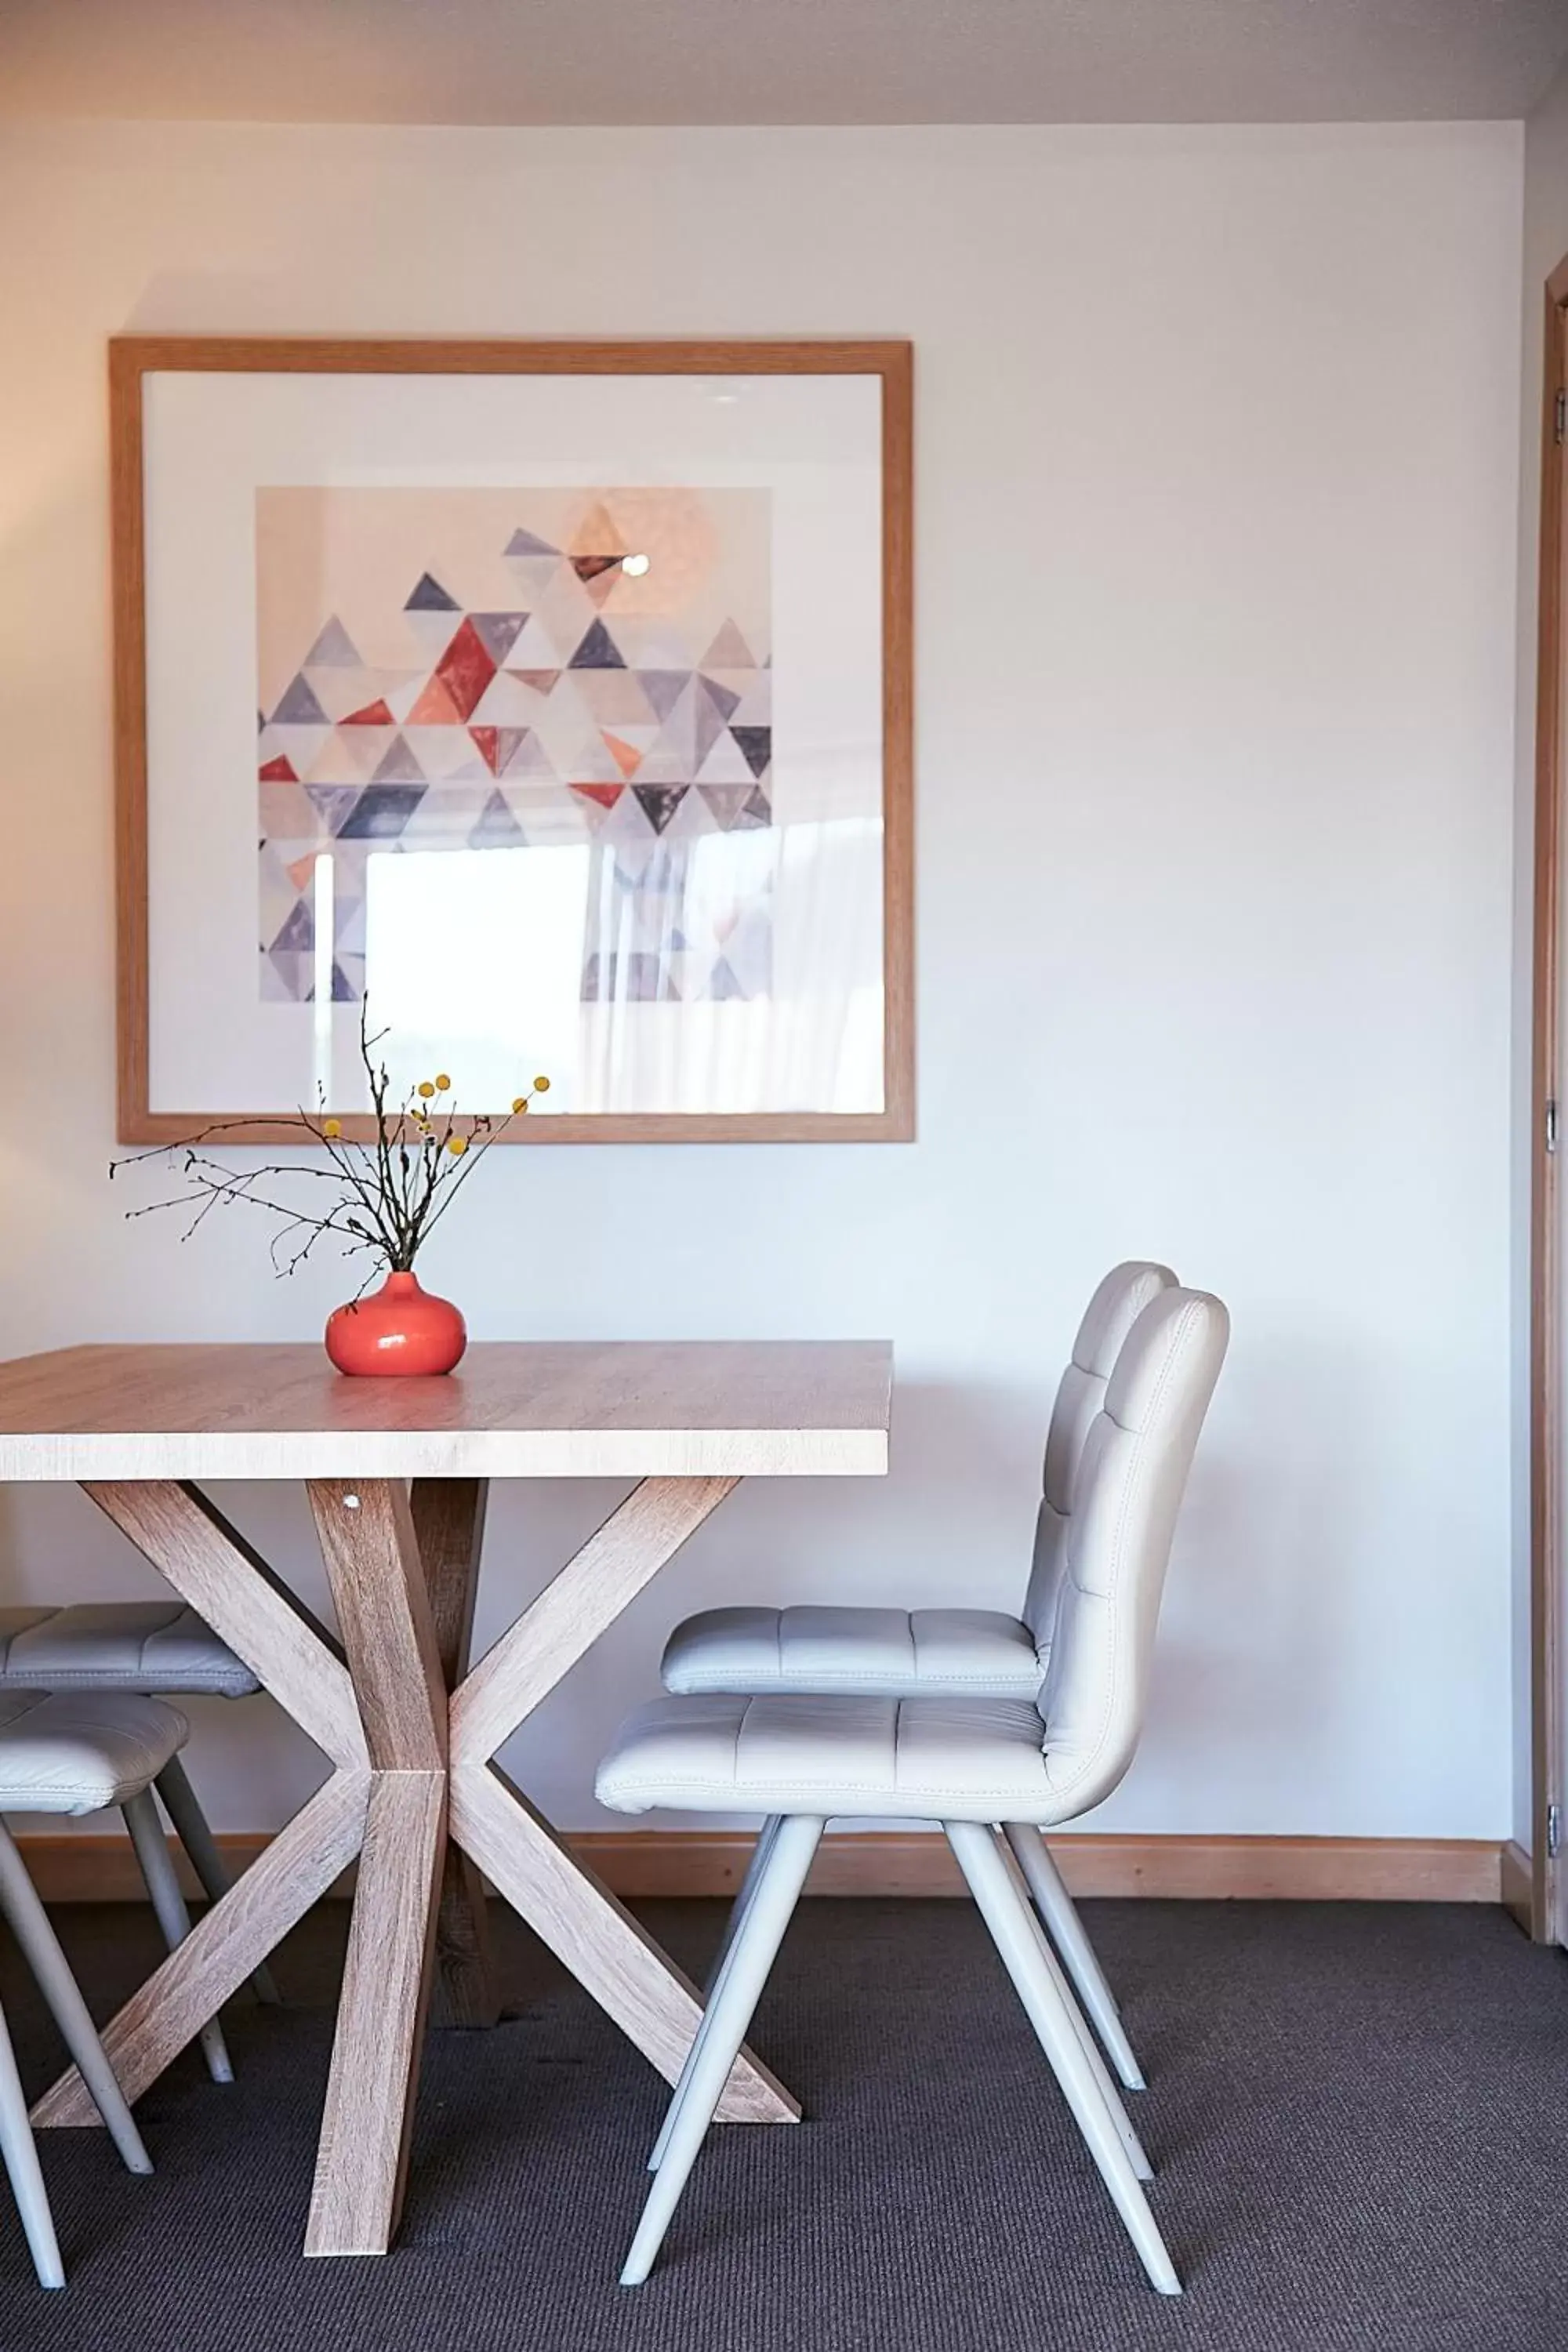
381	1714
567	1908
450	1527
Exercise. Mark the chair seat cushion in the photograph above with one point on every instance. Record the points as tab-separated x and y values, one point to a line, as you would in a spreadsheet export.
887	1652
72	1752
955	1760
129	1645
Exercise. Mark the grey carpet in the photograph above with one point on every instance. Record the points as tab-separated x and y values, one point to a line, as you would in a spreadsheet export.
1359	2115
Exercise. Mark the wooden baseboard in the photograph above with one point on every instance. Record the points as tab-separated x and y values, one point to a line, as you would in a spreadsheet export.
1518	1885
647	1862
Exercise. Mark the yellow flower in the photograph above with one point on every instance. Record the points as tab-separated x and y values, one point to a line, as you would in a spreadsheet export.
542	1086
456	1145
520	1102
426	1090
442	1082
331	1128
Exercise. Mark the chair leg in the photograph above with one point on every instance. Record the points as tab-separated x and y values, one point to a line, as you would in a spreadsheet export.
1078	1956
736	1998
169	1906
1023	1955
190	1824
41	1948
1104	2081
21	2155
766	1838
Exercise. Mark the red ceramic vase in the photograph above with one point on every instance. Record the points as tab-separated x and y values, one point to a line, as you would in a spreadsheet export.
399	1329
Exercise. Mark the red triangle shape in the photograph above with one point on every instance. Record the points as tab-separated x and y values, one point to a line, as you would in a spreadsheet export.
374	714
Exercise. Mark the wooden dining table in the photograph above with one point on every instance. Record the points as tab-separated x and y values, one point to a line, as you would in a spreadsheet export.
396	1473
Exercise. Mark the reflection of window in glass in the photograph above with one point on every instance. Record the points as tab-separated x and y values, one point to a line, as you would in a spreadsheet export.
475	962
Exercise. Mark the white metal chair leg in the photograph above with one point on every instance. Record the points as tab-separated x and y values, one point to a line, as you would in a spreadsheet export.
21	2155
41	1950
1078	1956
169	1906
190	1826
736	1998
1104	2080
766	1836
1013	1934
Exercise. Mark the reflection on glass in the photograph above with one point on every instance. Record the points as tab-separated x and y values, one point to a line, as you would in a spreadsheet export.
473	962
542	783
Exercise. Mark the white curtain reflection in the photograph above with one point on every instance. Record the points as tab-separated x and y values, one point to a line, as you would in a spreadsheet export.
736	971
473	964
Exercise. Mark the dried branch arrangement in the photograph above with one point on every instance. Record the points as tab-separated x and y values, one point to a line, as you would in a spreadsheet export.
383	1198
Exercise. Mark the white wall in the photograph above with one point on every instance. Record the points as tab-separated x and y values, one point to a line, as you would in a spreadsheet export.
1217	503
1545	244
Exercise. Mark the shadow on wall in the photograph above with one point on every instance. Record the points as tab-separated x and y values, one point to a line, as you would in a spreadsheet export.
1252	1653
1254	1646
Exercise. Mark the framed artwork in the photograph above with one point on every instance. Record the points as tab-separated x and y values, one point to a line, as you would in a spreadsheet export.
540	707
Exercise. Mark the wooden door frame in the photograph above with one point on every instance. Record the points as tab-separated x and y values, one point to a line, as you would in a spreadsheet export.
1546	1563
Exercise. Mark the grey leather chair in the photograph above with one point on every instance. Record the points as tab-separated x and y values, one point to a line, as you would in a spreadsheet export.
910	1653
69	1754
154	1649
966	1762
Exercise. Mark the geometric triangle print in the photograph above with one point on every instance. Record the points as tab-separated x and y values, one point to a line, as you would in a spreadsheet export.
298	707
658	803
496	745
664	688
507	701
756	743
498	632
399	766
333	803
597	800
708	725
436	707
334	649
726	763
533	575
628	756
597	650
381	812
430	596
596	540
527	761
729	650
466	667
725	702
726	802
496	829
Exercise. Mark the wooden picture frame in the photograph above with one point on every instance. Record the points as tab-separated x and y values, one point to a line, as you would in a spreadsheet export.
1534	1880
132	359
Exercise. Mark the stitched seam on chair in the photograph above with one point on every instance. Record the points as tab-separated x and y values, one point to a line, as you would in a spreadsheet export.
855	1787
116	1678
1189	1318
860	1682
12	1799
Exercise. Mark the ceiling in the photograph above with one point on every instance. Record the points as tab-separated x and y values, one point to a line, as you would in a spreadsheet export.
801	61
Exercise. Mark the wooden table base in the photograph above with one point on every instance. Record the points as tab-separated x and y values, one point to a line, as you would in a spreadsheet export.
415	1794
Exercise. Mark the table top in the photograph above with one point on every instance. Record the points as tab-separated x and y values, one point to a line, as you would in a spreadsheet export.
615	1409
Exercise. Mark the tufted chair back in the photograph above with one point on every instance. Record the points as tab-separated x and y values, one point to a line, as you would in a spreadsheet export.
1130	1480
1110	1316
